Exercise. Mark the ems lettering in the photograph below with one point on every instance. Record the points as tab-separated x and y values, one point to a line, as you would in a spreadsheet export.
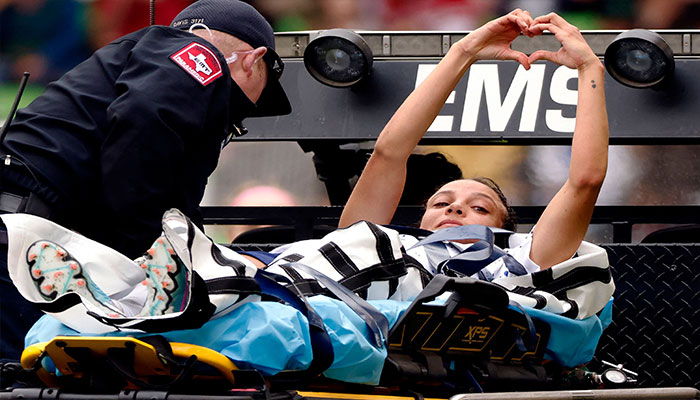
484	80
562	95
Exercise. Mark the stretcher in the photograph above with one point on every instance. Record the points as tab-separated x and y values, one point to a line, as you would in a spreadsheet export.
128	368
473	341
457	329
146	363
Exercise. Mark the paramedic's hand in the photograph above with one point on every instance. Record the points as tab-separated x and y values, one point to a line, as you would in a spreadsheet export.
574	52
492	40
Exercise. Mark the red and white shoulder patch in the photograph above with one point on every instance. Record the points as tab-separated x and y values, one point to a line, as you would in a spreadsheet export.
198	61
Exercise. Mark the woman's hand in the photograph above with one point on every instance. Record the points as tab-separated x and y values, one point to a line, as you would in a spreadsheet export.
492	40
574	52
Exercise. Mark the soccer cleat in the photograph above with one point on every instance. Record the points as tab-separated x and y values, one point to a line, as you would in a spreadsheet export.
166	280
228	276
55	272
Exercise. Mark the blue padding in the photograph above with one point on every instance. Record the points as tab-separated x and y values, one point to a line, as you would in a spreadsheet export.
272	337
572	342
356	359
321	347
242	335
606	314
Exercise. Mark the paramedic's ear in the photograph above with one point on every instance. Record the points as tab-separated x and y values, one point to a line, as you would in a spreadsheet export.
250	59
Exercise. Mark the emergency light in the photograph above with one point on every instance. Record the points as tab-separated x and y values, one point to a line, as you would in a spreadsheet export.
639	58
338	58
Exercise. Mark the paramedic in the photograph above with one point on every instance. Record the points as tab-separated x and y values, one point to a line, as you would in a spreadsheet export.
135	130
561	228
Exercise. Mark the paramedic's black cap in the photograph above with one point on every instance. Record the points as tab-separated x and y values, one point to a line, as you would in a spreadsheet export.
246	23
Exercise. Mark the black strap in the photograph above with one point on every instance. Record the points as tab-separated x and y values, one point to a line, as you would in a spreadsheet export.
198	311
375	273
375	320
233	285
122	361
531	344
383	244
337	258
320	341
162	346
577	277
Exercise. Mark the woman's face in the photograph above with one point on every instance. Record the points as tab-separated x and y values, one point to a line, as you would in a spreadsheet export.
463	202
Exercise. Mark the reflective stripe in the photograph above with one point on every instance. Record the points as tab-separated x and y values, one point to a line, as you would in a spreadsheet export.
10	202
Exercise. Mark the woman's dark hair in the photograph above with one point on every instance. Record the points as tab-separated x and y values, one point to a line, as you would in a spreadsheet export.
509	221
426	173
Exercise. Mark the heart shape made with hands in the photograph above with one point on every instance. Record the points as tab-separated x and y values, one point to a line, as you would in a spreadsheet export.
493	40
574	52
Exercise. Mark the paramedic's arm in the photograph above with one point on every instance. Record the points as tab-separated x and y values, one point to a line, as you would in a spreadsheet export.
563	224
378	191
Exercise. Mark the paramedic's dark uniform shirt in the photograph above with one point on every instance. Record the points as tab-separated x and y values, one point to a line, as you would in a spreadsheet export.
125	136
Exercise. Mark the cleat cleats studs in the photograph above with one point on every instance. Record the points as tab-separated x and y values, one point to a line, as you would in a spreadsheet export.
56	273
163	274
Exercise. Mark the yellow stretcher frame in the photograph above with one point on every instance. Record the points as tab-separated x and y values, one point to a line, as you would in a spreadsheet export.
147	360
354	396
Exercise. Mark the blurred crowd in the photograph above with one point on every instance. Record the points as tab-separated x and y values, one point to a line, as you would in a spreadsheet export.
469	14
48	37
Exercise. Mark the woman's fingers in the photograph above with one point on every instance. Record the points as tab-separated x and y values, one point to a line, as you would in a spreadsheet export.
553	18
543	55
574	51
540	27
521	19
518	56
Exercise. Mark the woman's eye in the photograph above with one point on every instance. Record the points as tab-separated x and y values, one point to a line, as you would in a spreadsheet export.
480	209
441	204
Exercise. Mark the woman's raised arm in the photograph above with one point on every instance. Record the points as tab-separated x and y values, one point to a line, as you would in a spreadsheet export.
378	191
564	223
